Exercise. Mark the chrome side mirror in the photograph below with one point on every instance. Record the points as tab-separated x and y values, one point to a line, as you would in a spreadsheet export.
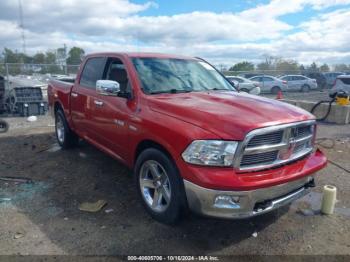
107	87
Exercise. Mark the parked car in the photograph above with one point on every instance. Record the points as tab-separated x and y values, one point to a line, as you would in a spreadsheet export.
319	77
331	77
245	85
342	82
299	83
191	139
270	84
250	75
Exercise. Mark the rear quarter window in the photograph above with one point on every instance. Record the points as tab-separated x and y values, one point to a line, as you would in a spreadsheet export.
345	81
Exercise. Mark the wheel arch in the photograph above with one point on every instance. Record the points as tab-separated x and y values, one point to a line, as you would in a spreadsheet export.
149	143
57	106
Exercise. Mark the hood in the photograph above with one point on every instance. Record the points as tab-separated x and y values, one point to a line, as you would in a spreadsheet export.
229	115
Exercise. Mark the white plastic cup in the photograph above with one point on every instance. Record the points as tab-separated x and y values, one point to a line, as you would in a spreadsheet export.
329	199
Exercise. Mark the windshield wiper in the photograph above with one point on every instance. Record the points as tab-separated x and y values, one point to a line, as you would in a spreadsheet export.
171	91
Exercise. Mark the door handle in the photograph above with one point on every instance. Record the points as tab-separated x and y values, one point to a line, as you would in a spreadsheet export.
74	95
98	103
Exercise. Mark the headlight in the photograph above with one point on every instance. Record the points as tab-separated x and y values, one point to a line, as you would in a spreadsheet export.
210	152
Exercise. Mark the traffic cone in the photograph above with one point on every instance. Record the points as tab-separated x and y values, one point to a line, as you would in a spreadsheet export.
279	95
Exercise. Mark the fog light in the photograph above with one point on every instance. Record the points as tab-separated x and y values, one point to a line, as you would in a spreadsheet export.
231	202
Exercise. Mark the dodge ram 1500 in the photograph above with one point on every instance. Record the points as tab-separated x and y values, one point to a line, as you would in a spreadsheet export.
191	139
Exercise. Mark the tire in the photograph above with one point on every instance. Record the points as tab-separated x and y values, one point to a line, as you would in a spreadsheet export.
3	126
305	88
66	138
244	90
275	90
160	186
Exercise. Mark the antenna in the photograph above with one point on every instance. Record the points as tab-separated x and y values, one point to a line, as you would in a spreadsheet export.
21	25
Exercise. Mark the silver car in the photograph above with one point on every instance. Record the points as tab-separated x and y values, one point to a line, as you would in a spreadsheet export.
341	83
331	77
270	84
299	83
245	85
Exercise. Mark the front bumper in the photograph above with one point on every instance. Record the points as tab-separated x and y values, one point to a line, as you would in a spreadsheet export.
247	203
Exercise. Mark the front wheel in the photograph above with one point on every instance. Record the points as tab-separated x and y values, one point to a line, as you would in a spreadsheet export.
305	88
160	186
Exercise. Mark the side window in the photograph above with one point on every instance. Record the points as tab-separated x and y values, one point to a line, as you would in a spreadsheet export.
93	71
116	71
267	79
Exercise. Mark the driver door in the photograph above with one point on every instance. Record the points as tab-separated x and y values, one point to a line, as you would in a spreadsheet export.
110	114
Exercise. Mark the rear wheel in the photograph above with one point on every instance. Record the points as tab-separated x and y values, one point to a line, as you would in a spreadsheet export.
305	88
160	186
65	136
275	90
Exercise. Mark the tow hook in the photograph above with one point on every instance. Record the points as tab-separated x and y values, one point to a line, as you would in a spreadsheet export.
310	184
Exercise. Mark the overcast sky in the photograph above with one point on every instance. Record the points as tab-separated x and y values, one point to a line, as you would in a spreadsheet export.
221	31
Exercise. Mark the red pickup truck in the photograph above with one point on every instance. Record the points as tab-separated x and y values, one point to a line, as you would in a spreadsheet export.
192	140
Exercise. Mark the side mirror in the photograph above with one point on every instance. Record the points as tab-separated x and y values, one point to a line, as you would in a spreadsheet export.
107	87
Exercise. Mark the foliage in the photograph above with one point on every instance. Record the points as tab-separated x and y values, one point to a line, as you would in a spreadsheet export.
342	67
324	68
242	66
75	55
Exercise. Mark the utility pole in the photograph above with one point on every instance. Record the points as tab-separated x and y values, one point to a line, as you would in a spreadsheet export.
21	25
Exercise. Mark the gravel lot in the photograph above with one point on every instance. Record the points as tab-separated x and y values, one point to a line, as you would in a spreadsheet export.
43	217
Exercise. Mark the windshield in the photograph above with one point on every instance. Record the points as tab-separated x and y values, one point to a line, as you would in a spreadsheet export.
158	75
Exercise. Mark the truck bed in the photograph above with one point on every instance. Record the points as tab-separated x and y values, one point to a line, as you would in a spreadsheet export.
59	91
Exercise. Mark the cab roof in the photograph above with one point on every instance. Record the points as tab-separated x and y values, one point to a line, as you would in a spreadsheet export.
142	55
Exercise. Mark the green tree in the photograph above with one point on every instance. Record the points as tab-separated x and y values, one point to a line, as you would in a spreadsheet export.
39	58
324	68
10	56
341	67
286	66
313	67
50	57
75	56
243	66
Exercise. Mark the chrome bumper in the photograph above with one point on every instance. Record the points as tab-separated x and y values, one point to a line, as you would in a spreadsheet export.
244	204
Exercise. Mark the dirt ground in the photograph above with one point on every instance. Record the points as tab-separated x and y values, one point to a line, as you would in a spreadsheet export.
42	218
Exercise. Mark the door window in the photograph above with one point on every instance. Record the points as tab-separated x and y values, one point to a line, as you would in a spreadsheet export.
93	71
267	79
116	71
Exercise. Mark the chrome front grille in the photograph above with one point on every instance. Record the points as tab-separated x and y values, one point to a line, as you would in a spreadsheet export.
270	138
272	146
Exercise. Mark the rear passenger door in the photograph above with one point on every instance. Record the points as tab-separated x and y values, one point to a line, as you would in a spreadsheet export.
292	83
82	92
268	83
260	80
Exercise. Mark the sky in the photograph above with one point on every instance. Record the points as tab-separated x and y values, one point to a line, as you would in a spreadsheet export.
220	31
